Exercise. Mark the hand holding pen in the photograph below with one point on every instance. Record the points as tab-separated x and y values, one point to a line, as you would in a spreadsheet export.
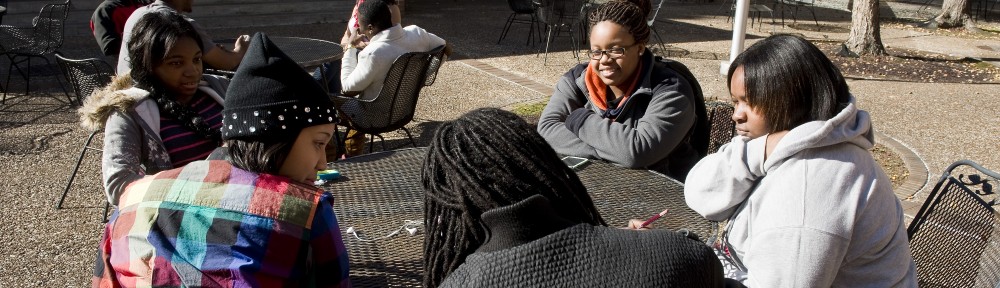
637	224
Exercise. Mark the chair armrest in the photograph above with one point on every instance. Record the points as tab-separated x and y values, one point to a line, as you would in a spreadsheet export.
339	98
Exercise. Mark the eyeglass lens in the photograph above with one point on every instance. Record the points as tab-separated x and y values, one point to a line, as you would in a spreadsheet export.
613	53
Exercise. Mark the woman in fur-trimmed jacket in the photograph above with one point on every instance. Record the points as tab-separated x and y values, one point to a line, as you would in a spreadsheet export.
162	115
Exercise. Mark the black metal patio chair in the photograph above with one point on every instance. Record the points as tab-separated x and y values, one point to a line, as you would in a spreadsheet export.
521	8
44	37
652	27
84	76
396	103
794	5
559	16
722	127
955	236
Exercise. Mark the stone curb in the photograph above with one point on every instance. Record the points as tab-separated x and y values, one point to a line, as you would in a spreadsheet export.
915	181
532	85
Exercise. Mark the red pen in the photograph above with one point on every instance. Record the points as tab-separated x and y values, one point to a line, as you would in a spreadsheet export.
654	218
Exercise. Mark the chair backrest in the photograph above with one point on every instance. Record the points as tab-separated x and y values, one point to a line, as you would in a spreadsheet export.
955	236
561	12
522	6
49	27
722	128
436	62
397	101
85	75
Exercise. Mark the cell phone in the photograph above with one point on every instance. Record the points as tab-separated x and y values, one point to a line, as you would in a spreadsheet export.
574	162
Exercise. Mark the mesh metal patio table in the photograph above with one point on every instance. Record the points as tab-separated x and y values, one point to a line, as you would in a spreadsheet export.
378	193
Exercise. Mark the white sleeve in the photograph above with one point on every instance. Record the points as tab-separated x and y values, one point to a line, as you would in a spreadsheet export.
721	181
357	70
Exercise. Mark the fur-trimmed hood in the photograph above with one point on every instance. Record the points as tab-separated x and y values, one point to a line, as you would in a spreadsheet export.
118	95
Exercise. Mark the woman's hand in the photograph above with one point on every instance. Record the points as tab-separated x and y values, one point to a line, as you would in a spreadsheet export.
359	40
772	142
636	224
241	44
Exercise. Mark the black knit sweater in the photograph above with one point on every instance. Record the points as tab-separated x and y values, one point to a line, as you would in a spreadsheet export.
531	246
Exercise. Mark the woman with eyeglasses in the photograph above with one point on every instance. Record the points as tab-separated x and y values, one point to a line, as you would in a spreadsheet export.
624	106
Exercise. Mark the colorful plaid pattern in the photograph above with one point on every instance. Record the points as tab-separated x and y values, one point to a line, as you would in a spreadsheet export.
209	224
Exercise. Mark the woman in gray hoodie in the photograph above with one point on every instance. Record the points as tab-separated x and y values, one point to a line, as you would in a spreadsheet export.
807	204
164	113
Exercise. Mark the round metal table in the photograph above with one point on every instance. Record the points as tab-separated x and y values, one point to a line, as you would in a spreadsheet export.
378	193
307	52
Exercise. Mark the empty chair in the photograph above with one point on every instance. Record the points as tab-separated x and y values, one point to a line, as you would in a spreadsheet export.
84	76
559	16
722	127
521	8
396	102
754	11
44	37
955	236
651	21
794	5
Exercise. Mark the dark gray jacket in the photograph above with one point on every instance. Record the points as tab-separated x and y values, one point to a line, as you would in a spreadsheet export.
652	131
530	246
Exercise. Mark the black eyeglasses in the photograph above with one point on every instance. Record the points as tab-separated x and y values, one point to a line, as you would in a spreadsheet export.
613	53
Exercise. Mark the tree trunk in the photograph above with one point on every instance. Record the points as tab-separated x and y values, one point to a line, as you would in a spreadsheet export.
865	37
954	13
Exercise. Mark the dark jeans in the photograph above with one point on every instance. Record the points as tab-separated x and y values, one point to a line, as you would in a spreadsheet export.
332	71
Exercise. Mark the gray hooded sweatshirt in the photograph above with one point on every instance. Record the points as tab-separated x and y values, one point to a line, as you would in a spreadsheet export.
819	212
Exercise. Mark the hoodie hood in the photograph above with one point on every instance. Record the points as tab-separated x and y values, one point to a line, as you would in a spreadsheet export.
118	95
850	126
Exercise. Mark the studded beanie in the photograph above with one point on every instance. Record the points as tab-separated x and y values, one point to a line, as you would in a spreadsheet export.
272	97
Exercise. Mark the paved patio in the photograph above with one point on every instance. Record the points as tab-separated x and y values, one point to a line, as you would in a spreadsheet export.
935	123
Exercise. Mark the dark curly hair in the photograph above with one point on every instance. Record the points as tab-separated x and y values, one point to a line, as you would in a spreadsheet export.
155	34
486	159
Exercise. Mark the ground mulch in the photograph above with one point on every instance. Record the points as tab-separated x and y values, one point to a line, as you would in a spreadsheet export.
891	163
912	66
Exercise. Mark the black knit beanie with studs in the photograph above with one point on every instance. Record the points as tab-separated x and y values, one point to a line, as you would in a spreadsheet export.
272	97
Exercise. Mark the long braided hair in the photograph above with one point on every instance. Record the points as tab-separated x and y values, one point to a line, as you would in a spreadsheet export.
625	13
486	159
155	34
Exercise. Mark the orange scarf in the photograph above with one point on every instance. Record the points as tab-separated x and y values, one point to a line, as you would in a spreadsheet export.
598	90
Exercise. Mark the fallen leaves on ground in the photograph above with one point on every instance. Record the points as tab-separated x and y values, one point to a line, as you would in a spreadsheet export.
912	65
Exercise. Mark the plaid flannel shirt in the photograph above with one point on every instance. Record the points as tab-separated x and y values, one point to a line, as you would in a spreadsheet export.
209	224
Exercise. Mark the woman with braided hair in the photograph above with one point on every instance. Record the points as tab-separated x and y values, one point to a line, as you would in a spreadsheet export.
627	106
165	113
499	202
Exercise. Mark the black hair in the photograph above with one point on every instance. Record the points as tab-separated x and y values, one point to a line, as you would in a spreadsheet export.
376	13
645	6
624	13
790	81
155	34
489	158
258	156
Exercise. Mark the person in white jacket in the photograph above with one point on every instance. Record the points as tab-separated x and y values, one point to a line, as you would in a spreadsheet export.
807	204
